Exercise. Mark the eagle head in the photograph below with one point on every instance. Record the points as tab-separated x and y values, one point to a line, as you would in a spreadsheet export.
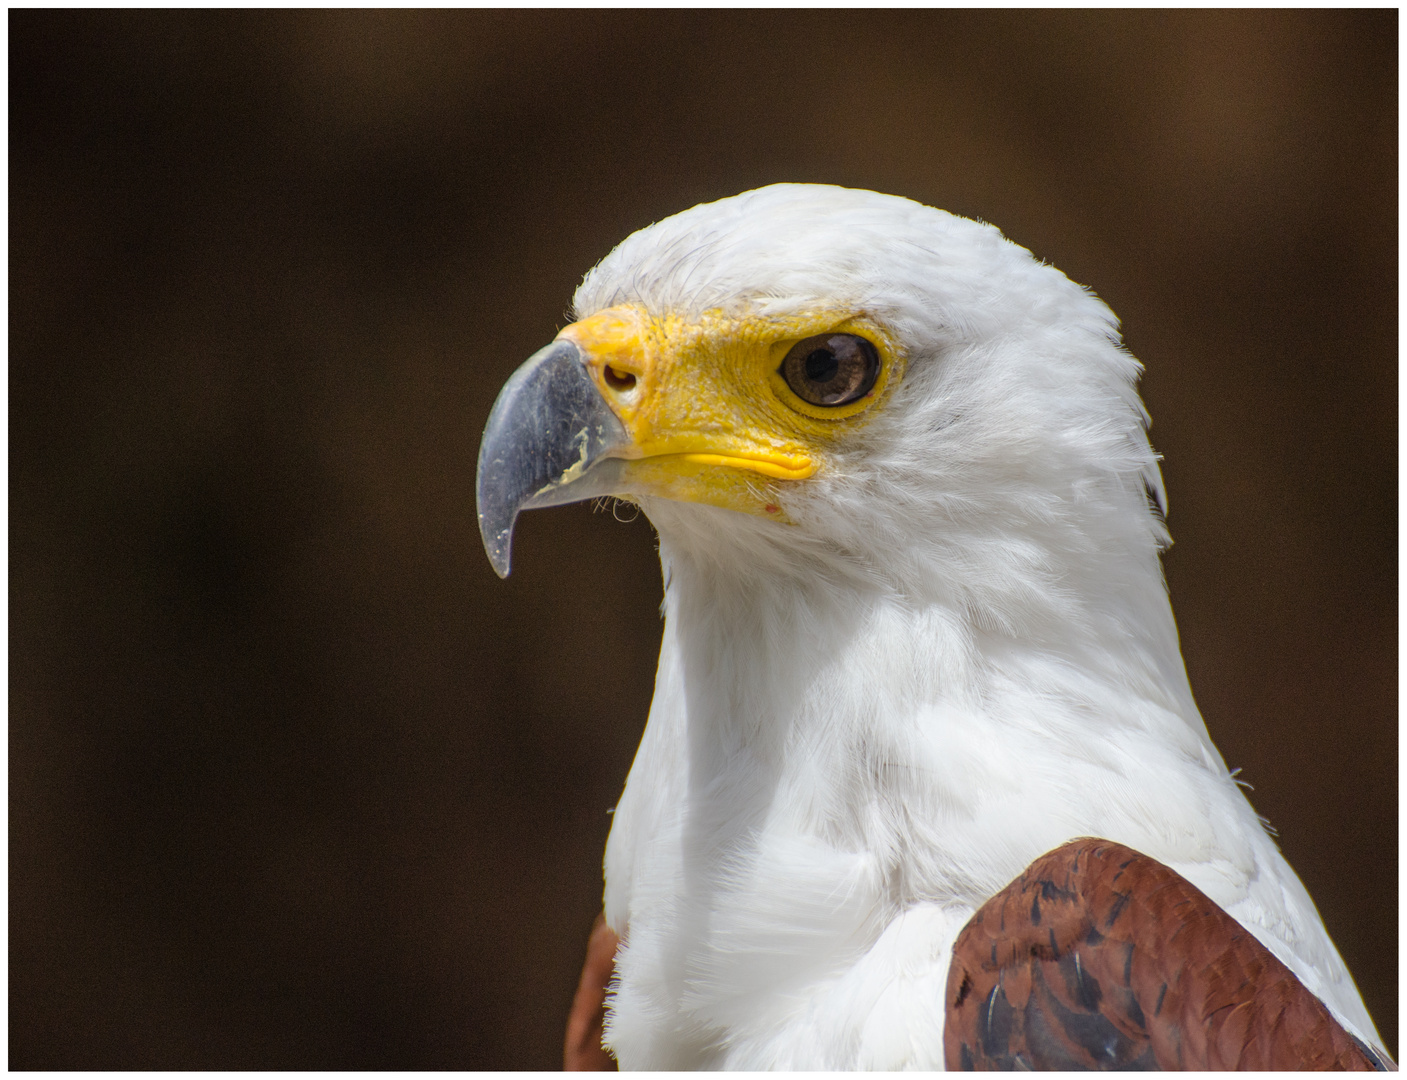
834	383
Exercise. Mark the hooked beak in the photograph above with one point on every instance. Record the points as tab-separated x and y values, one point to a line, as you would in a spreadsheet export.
639	406
547	442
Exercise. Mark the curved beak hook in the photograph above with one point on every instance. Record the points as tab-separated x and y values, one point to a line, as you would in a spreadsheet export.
547	442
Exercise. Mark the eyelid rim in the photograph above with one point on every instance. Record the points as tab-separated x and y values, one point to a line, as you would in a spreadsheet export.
891	369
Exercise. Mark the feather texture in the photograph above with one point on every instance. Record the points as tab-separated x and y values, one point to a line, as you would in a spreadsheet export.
959	656
582	1050
1098	957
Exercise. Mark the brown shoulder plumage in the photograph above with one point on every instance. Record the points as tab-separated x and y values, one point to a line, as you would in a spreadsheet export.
1098	957
583	1051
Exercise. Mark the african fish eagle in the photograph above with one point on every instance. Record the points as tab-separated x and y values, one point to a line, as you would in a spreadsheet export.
916	640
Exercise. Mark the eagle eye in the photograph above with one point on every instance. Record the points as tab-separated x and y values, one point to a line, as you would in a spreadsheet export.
831	369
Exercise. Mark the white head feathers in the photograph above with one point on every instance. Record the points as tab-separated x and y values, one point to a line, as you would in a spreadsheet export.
1018	416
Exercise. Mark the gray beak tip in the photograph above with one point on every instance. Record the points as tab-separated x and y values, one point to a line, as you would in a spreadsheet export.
499	548
549	421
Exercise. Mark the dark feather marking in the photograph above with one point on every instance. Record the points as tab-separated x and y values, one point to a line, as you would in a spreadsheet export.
1083	988
1128	963
1116	909
1048	1050
1133	1008
1161	994
995	1031
1092	1032
963	990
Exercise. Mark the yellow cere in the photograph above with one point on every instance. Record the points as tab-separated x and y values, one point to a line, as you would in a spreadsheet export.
710	417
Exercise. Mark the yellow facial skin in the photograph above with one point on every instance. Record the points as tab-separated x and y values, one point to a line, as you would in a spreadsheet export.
710	417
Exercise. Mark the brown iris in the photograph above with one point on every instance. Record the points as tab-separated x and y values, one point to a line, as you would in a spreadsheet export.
831	369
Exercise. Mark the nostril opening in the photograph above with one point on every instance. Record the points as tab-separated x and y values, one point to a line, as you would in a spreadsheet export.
619	380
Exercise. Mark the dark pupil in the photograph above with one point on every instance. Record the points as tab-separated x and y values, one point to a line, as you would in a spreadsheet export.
822	366
831	369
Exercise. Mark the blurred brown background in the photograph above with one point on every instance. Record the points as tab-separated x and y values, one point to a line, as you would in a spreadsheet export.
295	781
